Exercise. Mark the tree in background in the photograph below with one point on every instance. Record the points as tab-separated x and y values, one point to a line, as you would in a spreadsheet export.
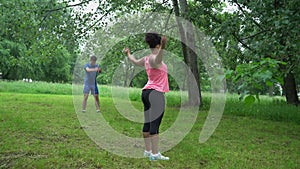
268	30
38	40
259	36
257	33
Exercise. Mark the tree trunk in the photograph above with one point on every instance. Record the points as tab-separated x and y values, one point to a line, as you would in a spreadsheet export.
289	86
131	77
290	89
196	100
190	57
271	91
126	76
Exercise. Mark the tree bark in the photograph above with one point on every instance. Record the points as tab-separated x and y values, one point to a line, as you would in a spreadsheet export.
188	48
271	91
196	100
291	89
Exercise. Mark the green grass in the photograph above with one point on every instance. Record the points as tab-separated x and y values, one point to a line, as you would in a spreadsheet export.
35	87
40	130
269	108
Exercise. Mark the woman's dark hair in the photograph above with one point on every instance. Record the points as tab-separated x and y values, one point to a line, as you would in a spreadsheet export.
152	39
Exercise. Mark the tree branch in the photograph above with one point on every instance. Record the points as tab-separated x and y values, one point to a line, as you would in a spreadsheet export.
241	41
68	6
91	26
245	14
60	8
252	36
145	19
165	29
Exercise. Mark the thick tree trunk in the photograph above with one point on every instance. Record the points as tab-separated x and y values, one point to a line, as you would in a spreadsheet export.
289	86
290	89
190	57
197	99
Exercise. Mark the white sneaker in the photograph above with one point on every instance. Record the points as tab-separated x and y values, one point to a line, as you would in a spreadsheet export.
83	111
98	111
154	157
147	153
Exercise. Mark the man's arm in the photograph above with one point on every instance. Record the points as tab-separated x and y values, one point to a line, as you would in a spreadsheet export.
96	69
138	62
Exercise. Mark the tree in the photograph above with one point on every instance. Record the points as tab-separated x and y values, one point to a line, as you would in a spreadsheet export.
267	30
13	62
188	48
258	30
186	31
31	33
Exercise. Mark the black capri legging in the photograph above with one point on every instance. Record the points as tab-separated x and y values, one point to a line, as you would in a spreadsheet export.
154	107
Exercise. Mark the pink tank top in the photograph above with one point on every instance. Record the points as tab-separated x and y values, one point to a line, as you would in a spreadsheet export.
157	77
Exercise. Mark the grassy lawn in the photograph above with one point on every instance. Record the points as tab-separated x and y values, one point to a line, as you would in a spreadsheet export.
43	131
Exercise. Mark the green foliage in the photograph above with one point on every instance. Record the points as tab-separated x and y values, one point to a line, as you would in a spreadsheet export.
32	34
12	54
254	77
40	39
254	30
249	99
61	71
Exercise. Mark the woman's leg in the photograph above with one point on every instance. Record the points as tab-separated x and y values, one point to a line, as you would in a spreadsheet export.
154	133
154	143
147	141
146	127
157	100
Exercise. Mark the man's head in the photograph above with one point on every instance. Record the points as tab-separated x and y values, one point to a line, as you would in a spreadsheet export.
153	39
93	60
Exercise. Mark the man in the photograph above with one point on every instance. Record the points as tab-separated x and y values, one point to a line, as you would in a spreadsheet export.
90	84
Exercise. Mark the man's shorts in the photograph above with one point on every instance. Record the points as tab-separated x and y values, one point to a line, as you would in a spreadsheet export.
90	88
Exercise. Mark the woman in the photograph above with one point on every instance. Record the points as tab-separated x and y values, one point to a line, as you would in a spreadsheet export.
153	92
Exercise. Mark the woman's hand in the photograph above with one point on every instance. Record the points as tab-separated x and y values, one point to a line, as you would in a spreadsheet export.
138	62
163	42
127	51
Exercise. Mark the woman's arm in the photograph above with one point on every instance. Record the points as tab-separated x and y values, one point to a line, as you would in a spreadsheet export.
138	62
157	59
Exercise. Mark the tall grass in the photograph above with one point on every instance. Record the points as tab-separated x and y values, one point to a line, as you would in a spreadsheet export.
268	108
35	87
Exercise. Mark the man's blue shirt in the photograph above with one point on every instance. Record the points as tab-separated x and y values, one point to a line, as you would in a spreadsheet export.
90	77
